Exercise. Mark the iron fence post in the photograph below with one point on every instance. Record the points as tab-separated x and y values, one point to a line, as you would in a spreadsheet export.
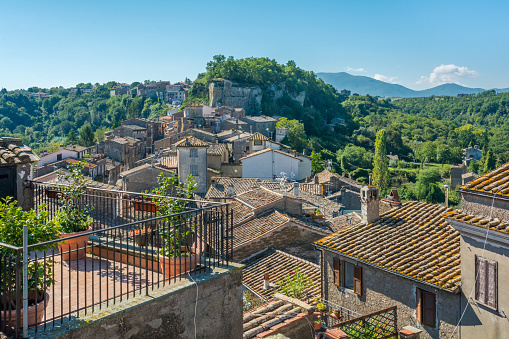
25	280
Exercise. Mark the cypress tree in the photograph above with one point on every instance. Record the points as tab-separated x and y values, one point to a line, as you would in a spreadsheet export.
380	162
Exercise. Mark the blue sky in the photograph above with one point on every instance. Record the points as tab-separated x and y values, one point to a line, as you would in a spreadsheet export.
414	43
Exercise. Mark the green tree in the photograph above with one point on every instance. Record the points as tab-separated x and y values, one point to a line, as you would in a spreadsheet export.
86	136
427	187
71	137
380	162
489	162
296	134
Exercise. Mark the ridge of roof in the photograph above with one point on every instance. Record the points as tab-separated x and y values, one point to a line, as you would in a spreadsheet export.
269	149
191	141
495	182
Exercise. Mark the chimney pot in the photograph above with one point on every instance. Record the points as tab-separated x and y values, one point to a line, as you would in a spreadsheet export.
296	189
266	284
370	179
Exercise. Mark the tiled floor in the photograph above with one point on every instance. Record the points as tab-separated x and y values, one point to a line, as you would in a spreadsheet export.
94	280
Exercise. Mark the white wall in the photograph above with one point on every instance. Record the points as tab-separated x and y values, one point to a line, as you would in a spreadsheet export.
264	166
52	157
305	167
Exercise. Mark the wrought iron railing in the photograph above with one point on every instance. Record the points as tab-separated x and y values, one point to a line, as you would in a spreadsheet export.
119	258
377	325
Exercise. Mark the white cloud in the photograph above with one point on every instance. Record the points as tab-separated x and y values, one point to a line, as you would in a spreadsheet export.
448	73
385	78
359	70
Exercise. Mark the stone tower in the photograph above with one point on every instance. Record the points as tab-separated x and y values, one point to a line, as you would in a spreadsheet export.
370	204
192	159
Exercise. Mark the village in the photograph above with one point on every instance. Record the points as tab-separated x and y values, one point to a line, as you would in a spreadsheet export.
298	254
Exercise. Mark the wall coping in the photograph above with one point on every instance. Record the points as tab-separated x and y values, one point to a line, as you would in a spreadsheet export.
479	233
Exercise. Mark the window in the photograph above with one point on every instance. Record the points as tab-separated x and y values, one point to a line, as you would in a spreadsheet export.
258	142
352	277
426	307
194	170
348	267
194	153
336	271
59	157
486	285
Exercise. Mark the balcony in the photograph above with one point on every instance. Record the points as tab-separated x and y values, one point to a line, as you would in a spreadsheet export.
119	261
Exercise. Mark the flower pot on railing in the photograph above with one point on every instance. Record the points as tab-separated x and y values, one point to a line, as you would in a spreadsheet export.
141	236
73	248
318	325
144	205
52	193
173	267
35	311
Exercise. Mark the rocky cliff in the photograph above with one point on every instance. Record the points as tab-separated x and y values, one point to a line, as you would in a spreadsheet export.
228	93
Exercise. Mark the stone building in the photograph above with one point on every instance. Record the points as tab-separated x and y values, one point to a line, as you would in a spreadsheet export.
155	130
409	257
457	172
261	124
135	132
125	150
16	162
472	154
281	133
228	93
192	160
142	178
484	228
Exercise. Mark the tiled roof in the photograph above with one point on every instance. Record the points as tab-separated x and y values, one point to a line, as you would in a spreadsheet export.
326	206
479	220
277	264
254	228
170	161
414	240
134	170
343	221
496	182
191	141
216	149
134	127
269	149
219	190
240	211
75	161
258	136
76	148
326	176
258	197
12	152
264	317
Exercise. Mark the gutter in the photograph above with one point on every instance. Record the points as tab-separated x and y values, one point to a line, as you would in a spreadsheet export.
386	269
483	194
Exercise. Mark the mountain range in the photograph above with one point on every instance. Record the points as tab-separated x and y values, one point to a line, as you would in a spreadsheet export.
365	85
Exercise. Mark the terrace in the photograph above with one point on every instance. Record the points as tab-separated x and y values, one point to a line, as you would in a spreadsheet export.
119	261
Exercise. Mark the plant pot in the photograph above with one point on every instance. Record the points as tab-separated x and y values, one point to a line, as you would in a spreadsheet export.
52	193
176	267
318	326
33	318
145	205
141	239
74	248
337	315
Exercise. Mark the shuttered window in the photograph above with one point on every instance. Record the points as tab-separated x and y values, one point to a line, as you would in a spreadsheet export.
357	280
486	286
426	308
336	265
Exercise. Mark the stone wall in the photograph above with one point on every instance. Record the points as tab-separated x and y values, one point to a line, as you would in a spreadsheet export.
481	205
231	170
169	313
227	93
382	289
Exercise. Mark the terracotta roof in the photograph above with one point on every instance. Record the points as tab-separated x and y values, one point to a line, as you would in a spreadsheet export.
12	152
257	227
240	211
269	149
414	240
277	264
216	149
343	221
134	170
326	176
478	220
219	190
496	182
258	197
191	141
268	315
258	136
75	161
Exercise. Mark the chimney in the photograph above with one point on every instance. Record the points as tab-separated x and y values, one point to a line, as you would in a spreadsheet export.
230	191
370	179
295	153
296	189
315	179
370	204
266	283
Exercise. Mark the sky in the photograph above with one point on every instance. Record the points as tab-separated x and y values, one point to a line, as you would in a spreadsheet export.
418	44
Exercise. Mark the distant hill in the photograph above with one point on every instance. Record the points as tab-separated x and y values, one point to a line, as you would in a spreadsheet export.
365	85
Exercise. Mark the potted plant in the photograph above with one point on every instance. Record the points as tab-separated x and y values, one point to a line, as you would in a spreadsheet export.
74	216
176	256
40	276
321	307
318	214
140	236
318	324
336	313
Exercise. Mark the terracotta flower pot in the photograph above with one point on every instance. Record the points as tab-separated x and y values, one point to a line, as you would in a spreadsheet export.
318	326
33	318
74	248
175	267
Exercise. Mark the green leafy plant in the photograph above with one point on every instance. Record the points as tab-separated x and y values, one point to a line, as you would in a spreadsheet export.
74	216
321	307
171	200
249	301
40	230
294	285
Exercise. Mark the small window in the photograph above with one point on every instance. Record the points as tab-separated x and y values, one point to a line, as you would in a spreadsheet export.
349	268
194	153
426	308
257	142
59	157
194	170
486	286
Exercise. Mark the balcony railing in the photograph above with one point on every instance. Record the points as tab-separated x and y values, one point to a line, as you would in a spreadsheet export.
119	258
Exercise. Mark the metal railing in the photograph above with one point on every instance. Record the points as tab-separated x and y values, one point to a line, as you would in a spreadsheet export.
125	254
343	313
377	325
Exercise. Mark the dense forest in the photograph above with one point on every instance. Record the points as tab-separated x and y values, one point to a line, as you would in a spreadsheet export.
428	134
